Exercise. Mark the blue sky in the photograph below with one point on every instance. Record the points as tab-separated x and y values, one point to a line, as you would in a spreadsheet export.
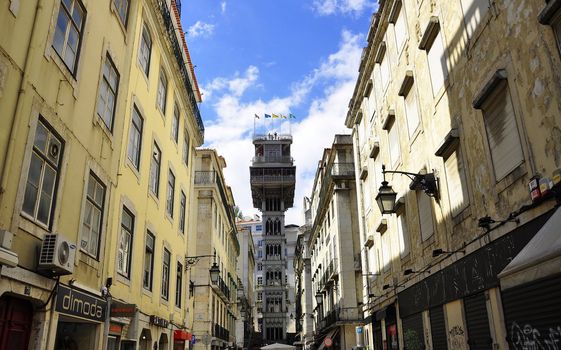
265	56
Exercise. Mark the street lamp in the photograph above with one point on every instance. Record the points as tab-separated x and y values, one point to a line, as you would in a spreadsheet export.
319	298
214	273
386	195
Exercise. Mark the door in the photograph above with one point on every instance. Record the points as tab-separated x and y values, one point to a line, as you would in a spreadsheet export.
16	316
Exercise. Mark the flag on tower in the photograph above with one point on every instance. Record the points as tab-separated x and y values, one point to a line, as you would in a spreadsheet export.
256	116
292	116
267	116
275	116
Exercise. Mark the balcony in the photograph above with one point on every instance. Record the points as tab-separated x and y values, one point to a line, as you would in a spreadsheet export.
178	51
341	171
272	159
341	316
221	332
222	289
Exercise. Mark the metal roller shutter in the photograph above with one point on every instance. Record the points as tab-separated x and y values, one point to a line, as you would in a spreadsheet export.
533	314
378	344
413	338
438	328
478	333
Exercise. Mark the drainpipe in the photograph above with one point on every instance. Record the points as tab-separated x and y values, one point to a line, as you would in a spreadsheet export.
14	127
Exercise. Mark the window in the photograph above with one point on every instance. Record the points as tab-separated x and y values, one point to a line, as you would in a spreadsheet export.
155	170
259	296
122	7
456	180
170	194
400	27
403	235
43	175
148	261
259	253
260	243
145	50
393	139
412	111
108	93
259	267
185	147
125	243
425	215
135	138
165	274
178	284
372	104
386	251
93	216
259	280
385	72
175	124
162	92
474	11
502	131
437	63
182	205
68	32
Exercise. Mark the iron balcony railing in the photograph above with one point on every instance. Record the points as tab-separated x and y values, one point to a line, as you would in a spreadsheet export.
273	159
170	33
258	179
221	332
348	315
343	170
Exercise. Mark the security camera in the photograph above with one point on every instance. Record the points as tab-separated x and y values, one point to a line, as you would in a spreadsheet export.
104	291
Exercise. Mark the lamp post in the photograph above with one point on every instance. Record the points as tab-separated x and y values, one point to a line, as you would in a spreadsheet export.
386	195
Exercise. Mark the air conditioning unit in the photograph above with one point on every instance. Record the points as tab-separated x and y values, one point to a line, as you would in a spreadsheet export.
57	255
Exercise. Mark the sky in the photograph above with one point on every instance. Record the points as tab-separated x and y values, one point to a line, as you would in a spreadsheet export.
265	56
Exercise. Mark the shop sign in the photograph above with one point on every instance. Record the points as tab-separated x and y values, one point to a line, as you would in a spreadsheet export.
76	303
158	321
115	328
119	309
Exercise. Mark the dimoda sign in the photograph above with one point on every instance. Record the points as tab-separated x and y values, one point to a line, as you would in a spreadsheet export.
77	303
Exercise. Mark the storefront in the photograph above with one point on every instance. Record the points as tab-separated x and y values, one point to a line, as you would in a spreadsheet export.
388	316
462	287
180	338
80	317
531	291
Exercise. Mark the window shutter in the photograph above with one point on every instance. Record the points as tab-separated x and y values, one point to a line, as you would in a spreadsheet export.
456	178
400	30
394	144
437	63
412	111
403	235
425	215
502	132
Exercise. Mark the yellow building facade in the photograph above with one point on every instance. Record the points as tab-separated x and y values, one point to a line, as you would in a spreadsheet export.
214	305
466	91
100	120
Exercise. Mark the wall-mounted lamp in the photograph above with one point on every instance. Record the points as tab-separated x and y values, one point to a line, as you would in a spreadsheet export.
437	252
319	298
386	195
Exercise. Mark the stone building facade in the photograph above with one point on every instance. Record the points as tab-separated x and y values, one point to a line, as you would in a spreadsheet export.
467	91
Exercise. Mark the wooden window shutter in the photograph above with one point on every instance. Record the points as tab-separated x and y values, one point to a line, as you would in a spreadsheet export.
456	179
502	132
425	215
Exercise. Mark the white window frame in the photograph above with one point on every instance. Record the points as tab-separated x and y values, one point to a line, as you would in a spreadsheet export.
161	96
108	91
155	170
124	250
48	150
91	240
135	138
61	37
149	251
166	271
145	50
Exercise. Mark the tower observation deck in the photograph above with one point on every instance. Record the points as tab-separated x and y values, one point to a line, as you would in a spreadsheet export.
273	178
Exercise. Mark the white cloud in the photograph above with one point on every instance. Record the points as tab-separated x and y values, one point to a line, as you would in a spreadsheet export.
231	132
223	7
200	29
330	7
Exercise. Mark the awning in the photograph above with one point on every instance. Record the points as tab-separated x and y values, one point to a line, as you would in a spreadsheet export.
331	335
179	334
544	249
